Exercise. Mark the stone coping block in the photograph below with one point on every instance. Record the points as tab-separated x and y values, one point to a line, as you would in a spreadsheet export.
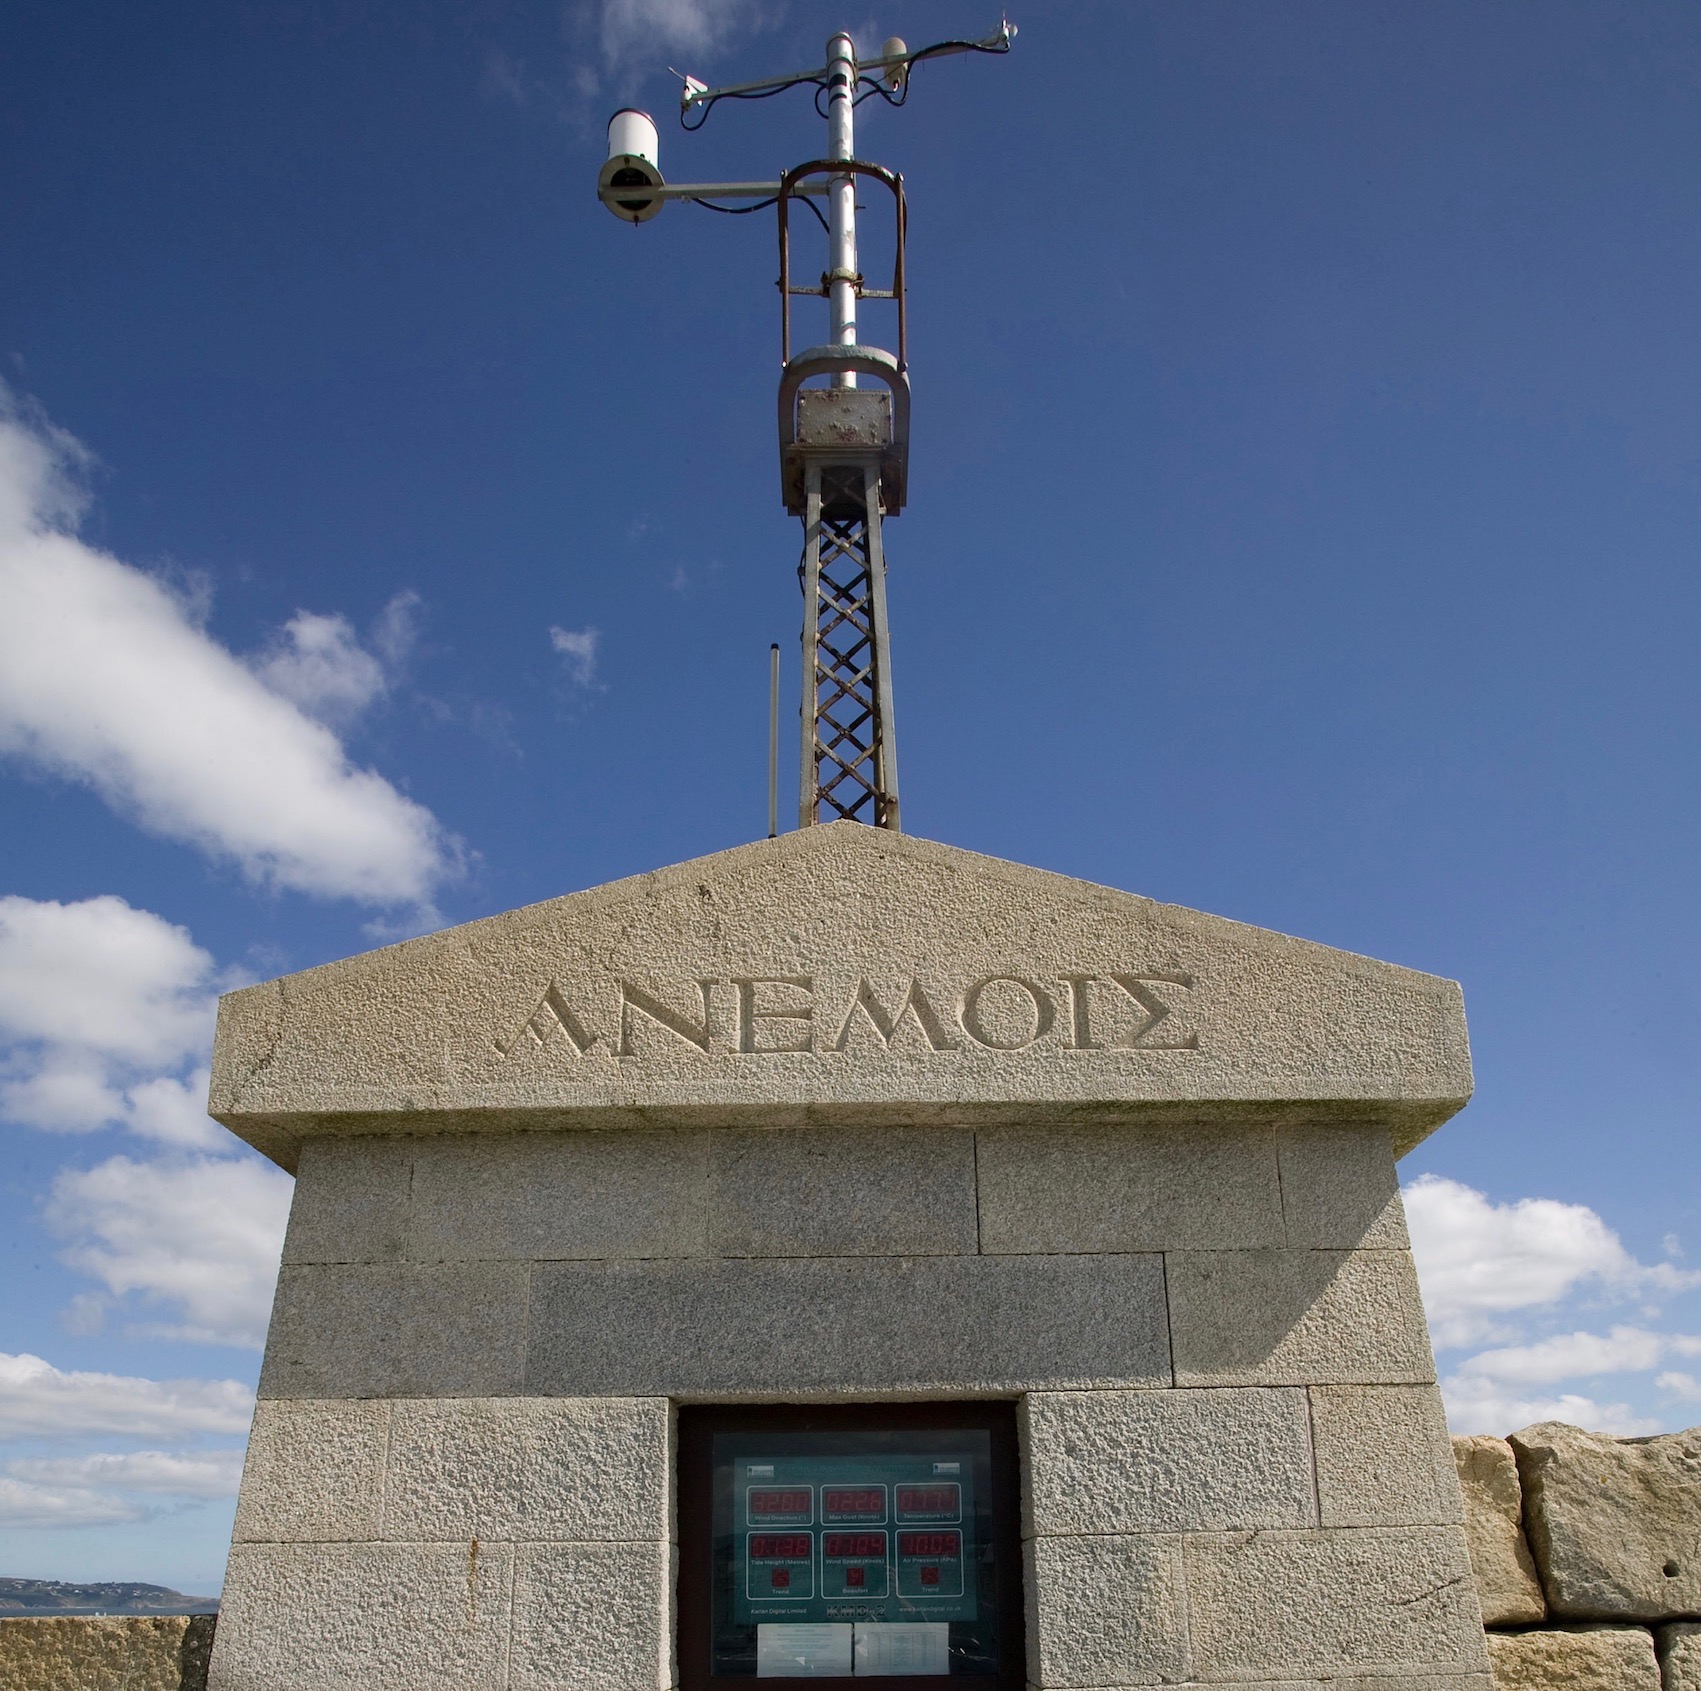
840	975
1604	1658
1507	1582
1615	1524
1167	1461
1281	1318
135	1652
1362	1601
1383	1457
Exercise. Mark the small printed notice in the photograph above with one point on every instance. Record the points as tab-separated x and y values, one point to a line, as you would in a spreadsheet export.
884	1648
805	1652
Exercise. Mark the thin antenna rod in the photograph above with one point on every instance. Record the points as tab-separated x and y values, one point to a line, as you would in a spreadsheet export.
773	740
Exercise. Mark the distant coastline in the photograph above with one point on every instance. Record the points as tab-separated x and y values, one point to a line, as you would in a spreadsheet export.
117	1597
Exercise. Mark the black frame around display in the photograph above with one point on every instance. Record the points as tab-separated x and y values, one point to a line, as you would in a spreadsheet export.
698	1425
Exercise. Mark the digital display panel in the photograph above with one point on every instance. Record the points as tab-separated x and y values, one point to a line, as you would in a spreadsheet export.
930	1503
843	1505
841	1542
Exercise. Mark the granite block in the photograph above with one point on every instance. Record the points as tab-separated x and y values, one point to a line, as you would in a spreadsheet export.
424	1617
351	1200
314	1470
1384	1457
1353	1601
396	1330
1339	1189
1581	1658
528	1468
816	1326
850	1192
1280	1318
568	1636
1167	1461
1128	1189
531	1196
1105	1611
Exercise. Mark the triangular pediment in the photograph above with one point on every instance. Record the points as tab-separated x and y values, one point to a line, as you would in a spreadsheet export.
838	974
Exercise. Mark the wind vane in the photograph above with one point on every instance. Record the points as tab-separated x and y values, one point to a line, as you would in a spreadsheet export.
844	449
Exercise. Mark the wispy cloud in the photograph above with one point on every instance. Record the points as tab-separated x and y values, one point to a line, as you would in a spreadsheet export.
38	1400
630	30
105	1013
106	1488
1504	1276
108	677
189	1245
578	647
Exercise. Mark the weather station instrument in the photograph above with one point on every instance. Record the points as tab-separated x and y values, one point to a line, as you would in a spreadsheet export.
844	447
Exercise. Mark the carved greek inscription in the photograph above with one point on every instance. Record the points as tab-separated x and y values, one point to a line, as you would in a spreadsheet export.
915	1003
777	1015
633	999
751	1012
1041	1009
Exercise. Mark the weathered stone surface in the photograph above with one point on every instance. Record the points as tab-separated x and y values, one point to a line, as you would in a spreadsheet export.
1607	1658
846	1325
559	1195
1105	1611
1615	1524
528	1468
569	1636
430	1617
1034	1000
104	1652
1339	1189
314	1470
1678	1646
849	1192
351	1200
1289	1318
1167	1461
1507	1584
396	1330
1128	1188
1383	1457
1362	1601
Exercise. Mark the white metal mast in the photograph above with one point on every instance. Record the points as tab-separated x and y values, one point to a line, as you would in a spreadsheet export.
844	450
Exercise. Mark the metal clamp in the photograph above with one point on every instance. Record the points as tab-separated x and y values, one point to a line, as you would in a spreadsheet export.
893	453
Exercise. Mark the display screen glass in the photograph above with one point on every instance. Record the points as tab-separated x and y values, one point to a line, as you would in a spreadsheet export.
841	1550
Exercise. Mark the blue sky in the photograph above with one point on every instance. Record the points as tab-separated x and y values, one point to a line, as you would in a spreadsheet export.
1302	528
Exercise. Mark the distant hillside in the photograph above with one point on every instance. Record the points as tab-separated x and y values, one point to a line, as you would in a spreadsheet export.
119	1597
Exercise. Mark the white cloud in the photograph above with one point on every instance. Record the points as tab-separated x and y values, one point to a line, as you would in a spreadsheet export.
579	647
205	1473
1480	1406
1578	1356
38	1400
1480	1261
319	663
196	1237
651	29
101	1007
24	1503
108	678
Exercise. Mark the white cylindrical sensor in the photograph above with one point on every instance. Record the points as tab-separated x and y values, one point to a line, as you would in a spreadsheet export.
896	75
633	164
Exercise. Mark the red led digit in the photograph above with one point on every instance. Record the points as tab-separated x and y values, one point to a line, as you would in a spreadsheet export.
929	1576
780	1579
856	1577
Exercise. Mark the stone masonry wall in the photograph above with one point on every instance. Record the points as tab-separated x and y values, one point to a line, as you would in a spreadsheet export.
105	1652
1237	1466
1587	1552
